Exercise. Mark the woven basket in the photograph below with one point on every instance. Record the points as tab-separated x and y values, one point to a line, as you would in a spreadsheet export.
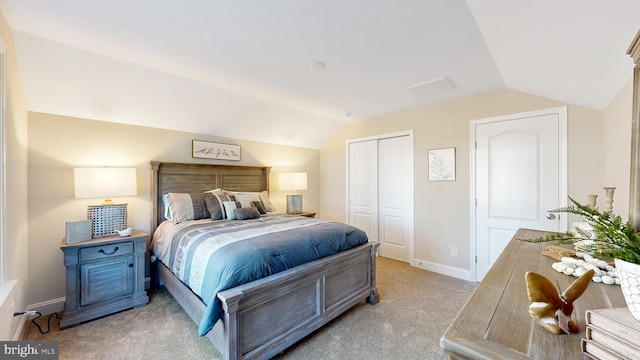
106	219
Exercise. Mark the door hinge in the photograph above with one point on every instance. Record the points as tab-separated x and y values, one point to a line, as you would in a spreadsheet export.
476	145
476	259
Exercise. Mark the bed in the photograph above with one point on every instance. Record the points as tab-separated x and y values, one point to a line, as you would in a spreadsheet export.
263	317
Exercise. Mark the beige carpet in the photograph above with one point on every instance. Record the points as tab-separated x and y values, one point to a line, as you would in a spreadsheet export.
415	308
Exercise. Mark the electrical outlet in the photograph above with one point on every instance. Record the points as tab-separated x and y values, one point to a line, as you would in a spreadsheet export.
454	251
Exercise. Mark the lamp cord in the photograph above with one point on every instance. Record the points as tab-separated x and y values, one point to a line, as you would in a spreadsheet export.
39	315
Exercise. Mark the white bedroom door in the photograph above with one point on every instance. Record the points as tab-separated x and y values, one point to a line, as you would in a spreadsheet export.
520	173
380	194
363	187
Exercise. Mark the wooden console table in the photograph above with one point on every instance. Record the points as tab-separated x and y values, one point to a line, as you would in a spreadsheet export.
495	322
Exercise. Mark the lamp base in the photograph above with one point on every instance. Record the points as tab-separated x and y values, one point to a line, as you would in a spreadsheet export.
294	204
106	219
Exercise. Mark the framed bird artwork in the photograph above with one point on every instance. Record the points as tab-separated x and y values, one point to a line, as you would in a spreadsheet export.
212	150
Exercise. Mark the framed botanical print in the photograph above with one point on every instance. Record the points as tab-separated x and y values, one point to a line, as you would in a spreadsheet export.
442	164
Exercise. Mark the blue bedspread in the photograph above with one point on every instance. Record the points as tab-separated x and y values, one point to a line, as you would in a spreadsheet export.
219	255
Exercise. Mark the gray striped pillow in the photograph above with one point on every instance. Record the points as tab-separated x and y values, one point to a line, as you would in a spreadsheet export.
187	206
213	202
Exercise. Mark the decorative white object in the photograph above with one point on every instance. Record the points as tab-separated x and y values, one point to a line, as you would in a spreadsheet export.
603	272
630	285
591	200
293	181
608	199
126	232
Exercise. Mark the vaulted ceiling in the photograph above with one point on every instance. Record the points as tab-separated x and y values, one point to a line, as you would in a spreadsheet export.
294	72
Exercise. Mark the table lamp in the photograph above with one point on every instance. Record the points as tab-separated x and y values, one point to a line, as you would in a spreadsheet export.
105	182
293	181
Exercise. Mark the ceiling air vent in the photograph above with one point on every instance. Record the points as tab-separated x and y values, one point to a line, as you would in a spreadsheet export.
432	87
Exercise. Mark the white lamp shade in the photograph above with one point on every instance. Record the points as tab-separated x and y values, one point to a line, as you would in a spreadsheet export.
293	181
104	182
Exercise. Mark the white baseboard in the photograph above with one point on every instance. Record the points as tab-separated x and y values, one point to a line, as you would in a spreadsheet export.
443	269
49	306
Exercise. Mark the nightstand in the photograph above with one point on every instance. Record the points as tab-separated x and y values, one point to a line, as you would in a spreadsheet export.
306	213
104	275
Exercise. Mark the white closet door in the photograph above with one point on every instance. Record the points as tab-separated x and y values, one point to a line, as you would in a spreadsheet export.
363	187
381	193
395	197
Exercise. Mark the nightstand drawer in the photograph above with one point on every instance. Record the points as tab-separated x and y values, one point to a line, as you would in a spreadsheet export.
105	251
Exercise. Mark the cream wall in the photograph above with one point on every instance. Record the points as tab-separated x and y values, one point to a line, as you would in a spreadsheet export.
442	208
14	251
617	150
57	144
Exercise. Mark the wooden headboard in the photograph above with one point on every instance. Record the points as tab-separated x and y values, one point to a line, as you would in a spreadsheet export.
185	177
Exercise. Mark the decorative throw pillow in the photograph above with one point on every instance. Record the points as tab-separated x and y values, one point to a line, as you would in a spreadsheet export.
231	206
186	206
253	198
246	213
259	207
199	207
229	209
262	197
214	206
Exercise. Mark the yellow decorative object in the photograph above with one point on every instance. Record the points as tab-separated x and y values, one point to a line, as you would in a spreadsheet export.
550	309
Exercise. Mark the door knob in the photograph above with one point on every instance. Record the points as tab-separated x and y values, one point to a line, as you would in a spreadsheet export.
551	216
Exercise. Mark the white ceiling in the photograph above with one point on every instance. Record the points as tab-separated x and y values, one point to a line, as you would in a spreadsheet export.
241	69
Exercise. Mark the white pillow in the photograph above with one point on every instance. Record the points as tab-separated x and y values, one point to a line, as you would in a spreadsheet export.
268	206
229	209
247	197
167	208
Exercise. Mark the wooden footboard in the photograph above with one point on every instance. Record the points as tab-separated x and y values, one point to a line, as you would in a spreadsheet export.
291	304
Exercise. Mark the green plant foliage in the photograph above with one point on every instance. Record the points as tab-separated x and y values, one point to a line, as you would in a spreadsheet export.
613	237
